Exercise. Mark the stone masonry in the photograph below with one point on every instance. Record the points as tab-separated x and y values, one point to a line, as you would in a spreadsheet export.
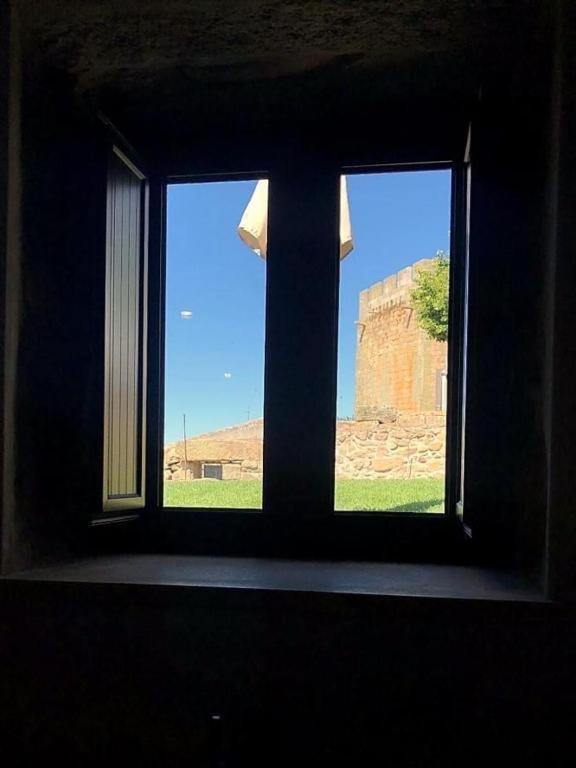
400	445
397	365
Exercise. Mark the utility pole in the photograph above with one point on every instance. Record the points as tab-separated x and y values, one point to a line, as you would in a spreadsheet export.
185	448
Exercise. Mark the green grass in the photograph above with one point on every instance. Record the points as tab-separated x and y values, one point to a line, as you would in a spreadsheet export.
351	495
224	494
421	495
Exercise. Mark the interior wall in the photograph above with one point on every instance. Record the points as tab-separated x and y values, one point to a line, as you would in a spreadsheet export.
53	377
4	133
10	259
561	243
383	131
505	459
93	673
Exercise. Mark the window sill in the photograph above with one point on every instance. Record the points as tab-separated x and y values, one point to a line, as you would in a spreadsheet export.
344	578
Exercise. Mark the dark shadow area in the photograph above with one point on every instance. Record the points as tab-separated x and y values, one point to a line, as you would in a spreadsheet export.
419	506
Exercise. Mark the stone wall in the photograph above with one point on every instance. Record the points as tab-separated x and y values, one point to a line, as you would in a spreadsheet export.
398	445
397	365
401	446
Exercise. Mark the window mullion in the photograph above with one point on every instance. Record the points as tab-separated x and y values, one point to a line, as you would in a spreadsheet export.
300	378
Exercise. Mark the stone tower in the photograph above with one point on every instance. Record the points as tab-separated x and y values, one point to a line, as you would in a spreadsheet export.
397	365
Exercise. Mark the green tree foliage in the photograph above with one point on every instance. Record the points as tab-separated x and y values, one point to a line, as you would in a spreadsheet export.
430	297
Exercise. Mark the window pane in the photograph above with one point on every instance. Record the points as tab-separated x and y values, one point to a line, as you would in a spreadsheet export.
214	366
392	350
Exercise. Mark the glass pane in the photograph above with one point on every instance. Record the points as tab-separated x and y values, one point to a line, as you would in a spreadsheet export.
392	349
214	365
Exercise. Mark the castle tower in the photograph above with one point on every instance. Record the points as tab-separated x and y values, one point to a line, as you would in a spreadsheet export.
397	365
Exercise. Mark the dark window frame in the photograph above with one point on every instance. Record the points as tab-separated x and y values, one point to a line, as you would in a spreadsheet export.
297	531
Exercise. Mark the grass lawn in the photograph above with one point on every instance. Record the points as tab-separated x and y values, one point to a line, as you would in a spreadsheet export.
224	494
362	495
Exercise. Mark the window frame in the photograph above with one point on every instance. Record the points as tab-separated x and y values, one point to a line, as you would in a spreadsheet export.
376	535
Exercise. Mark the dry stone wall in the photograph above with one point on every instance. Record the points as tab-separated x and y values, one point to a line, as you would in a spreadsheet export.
399	445
404	446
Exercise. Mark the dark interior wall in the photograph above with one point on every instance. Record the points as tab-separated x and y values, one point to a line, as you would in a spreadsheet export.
10	259
99	673
380	130
57	290
520	416
4	133
505	459
561	243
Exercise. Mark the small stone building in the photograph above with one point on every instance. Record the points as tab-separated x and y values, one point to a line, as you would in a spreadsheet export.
234	453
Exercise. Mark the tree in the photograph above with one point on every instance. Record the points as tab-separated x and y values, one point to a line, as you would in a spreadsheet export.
430	297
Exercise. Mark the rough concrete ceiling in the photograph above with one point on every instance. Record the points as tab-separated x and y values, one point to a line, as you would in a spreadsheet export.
256	61
102	41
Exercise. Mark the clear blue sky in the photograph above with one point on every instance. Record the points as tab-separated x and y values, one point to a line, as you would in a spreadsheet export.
215	359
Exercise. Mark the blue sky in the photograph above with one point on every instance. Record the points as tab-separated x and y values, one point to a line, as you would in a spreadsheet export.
215	358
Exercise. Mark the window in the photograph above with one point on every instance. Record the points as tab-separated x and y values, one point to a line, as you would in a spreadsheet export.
214	347
392	344
262	359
